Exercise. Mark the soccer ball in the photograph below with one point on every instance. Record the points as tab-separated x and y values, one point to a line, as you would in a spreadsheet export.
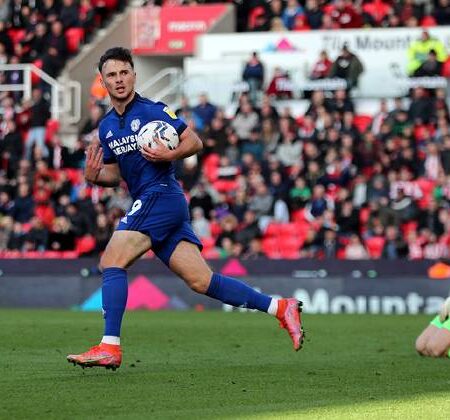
161	130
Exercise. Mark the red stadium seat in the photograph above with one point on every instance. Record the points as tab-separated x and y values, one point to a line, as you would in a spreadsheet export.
375	246
362	122
428	21
85	244
74	38
16	35
35	79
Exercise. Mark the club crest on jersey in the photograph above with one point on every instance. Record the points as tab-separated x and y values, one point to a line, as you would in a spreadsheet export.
135	124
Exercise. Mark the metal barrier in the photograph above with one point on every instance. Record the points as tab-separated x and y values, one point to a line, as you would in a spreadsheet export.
65	104
173	86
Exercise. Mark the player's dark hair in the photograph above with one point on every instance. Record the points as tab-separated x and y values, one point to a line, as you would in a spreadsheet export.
116	53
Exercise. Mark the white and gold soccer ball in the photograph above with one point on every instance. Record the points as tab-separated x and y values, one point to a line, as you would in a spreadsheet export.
160	130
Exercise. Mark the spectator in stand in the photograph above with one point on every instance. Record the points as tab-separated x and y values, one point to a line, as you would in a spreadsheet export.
6	227
61	236
248	229
200	224
16	238
289	150
322	67
376	12
291	13
254	144
55	53
261	203
347	219
355	250
442	12
4	10
418	51
39	115
313	14
431	67
394	246
409	10
11	147
341	103
345	15
254	75
435	250
347	66
69	14
432	163
260	21
87	17
36	43
445	155
200	197
280	87
6	204
37	237
50	10
89	130
275	9
429	218
23	204
5	39
102	233
204	111
421	107
245	120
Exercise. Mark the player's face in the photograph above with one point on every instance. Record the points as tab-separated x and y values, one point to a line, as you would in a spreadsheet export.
118	78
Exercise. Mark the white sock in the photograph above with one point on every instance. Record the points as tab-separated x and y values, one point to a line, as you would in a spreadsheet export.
273	307
111	339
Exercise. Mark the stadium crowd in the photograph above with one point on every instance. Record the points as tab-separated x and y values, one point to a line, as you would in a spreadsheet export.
300	15
329	184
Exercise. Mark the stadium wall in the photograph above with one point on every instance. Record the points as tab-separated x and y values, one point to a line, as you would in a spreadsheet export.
325	287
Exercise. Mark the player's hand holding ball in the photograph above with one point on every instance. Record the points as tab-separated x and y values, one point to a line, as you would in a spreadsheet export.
157	141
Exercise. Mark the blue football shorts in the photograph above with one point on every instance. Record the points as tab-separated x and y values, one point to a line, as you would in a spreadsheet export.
164	217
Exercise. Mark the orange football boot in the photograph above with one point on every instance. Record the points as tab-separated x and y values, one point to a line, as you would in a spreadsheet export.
289	314
104	355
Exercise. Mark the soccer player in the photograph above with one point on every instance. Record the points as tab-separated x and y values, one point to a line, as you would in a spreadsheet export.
434	341
159	217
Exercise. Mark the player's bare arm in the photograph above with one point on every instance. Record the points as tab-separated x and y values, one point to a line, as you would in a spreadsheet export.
190	144
96	172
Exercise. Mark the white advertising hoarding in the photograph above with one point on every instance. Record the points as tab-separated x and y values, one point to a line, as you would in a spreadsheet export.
382	51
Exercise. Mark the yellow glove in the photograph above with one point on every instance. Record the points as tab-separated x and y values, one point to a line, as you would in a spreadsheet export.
445	310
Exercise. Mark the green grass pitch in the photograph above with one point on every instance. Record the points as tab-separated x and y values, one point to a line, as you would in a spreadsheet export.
220	365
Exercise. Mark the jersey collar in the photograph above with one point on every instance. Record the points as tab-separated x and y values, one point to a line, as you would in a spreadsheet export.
129	105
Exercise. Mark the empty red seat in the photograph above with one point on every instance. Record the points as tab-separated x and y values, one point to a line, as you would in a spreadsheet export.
74	38
375	246
362	122
16	35
85	244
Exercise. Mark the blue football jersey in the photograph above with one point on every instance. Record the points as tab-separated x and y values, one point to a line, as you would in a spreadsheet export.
118	135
